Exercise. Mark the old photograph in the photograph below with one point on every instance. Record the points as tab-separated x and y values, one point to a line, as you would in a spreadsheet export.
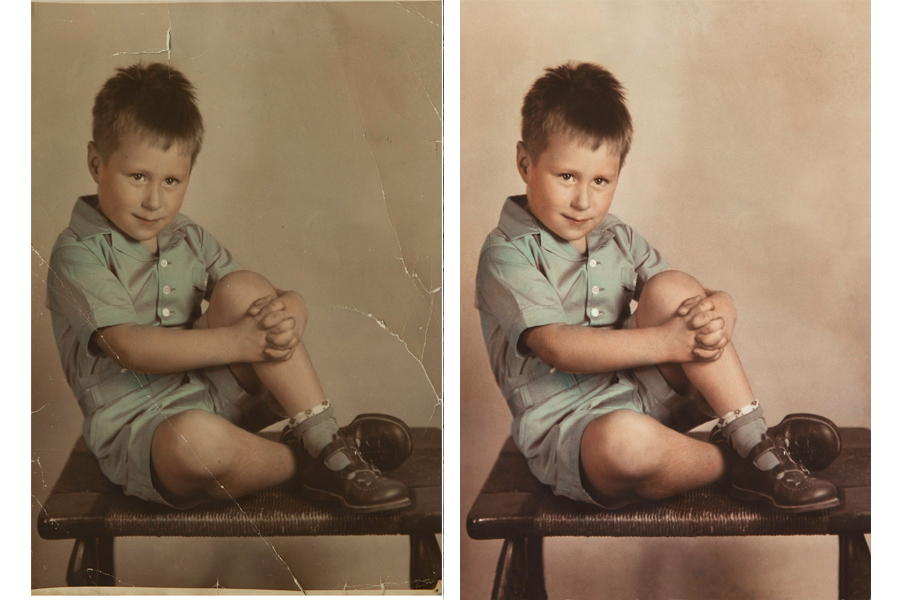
237	383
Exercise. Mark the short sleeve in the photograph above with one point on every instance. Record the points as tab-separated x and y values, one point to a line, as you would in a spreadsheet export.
647	261
81	288
514	292
218	260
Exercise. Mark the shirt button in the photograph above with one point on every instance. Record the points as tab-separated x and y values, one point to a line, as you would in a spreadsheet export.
166	312
166	290
593	263
123	370
164	263
595	312
595	289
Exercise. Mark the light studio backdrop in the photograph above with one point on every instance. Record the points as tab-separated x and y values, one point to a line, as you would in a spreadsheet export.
750	170
321	168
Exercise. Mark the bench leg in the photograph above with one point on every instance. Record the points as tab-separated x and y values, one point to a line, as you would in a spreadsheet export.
520	570
424	561
854	568
91	563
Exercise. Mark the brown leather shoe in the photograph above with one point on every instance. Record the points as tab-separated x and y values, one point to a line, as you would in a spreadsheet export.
786	488
382	440
812	441
358	487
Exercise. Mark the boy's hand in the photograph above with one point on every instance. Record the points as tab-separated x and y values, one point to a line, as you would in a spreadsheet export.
694	334
703	312
266	333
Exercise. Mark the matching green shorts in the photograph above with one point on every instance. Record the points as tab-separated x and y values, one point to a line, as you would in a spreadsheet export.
123	412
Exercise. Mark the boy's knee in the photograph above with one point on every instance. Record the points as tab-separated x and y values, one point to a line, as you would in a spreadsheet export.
187	451
241	289
619	446
663	294
295	306
235	292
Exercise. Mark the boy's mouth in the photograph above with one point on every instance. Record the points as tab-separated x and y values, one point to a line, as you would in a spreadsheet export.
147	221
575	221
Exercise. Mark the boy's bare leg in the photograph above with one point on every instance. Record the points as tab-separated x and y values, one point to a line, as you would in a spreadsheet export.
198	456
722	383
625	452
293	382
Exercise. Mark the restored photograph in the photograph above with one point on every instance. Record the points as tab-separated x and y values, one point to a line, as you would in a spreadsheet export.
665	277
236	301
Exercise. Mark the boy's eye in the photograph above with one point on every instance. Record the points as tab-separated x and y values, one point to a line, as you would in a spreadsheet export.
566	177
137	177
601	181
171	181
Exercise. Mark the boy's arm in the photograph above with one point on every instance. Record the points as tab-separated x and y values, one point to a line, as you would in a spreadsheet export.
579	349
152	349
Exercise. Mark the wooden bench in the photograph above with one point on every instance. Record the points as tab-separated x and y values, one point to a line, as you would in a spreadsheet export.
515	507
85	506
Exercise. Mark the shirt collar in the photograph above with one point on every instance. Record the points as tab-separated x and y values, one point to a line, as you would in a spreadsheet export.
517	222
87	221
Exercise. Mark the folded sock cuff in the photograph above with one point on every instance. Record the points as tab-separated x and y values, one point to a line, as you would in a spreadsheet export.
308	422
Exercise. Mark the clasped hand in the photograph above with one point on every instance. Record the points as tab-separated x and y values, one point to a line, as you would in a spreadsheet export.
266	332
702	327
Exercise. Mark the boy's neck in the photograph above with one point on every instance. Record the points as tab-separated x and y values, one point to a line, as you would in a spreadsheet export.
151	245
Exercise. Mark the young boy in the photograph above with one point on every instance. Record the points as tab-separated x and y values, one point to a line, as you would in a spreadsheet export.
600	396
171	395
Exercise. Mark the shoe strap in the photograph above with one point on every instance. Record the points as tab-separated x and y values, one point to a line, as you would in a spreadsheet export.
357	463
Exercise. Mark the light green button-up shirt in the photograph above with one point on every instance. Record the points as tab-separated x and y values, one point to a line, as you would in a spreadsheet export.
528	277
100	277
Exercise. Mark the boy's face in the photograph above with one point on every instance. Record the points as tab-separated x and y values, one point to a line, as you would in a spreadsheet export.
569	186
141	186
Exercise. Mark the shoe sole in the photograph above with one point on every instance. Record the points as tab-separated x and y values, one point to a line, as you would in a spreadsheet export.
751	496
331	498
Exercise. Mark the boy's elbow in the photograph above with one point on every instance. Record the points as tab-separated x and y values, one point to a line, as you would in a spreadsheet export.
541	341
106	340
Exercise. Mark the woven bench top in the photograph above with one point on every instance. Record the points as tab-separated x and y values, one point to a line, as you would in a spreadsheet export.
513	504
84	503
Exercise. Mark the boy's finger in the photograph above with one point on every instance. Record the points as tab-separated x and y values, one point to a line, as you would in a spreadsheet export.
283	340
272	319
685	306
716	324
282	326
700	320
279	355
257	305
272	306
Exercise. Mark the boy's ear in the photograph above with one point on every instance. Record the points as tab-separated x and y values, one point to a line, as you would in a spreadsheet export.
523	161
94	161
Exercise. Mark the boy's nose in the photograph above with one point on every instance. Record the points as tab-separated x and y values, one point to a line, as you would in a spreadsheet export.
153	199
580	200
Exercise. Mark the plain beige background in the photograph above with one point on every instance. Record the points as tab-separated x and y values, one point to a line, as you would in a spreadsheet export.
321	168
749	170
